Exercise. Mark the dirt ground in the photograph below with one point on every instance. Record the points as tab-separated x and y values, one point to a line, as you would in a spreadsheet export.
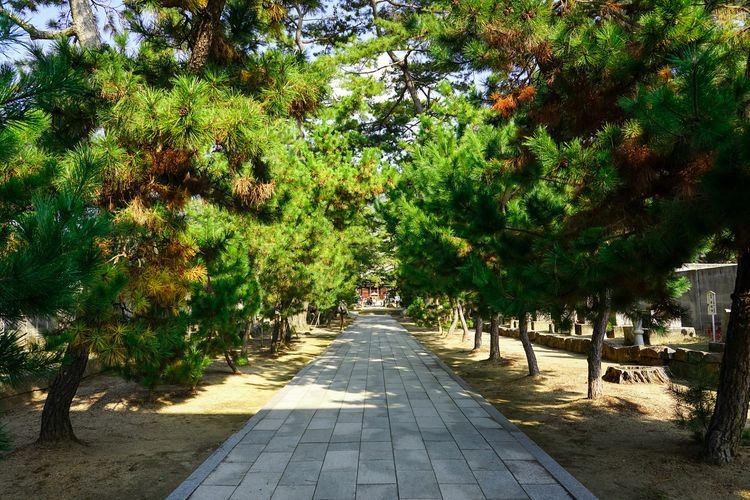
623	447
140	444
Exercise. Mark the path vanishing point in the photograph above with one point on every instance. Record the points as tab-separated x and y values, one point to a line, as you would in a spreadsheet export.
377	416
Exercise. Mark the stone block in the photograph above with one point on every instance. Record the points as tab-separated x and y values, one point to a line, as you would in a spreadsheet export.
451	471
293	492
301	473
376	491
529	472
649	353
376	472
271	462
257	485
608	351
207	492
694	356
713	357
336	484
581	345
583	329
418	484
466	491
651	356
680	355
546	492
499	485
633	353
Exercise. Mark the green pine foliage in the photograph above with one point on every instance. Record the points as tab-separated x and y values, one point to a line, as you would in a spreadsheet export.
229	296
49	255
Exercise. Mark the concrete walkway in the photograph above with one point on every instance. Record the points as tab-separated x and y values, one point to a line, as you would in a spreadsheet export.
378	417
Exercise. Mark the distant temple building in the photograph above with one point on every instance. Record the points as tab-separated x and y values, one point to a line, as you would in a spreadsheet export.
373	295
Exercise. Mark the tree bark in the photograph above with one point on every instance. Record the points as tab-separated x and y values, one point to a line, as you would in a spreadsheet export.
85	25
207	24
56	424
463	321
594	359
732	397
230	362
523	332
495	337
454	320
288	331
246	336
276	333
299	321
402	64
478	331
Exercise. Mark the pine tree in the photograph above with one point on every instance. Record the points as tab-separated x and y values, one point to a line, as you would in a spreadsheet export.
229	295
463	191
641	107
49	258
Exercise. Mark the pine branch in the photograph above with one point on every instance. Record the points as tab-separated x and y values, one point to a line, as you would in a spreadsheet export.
368	72
33	31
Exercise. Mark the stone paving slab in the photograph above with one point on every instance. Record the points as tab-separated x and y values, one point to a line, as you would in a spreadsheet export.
378	416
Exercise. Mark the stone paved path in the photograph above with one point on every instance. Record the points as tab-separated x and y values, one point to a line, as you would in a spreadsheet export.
378	417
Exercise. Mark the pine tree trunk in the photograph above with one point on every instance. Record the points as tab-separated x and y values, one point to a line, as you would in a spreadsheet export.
478	331
246	336
595	385
298	321
523	332
401	63
454	320
733	393
463	321
56	424
495	337
288	331
84	21
207	24
230	362
276	333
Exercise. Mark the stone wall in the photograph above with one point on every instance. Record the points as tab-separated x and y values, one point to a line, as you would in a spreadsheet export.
696	365
683	363
718	278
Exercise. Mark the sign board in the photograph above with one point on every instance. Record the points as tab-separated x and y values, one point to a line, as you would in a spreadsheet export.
711	302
